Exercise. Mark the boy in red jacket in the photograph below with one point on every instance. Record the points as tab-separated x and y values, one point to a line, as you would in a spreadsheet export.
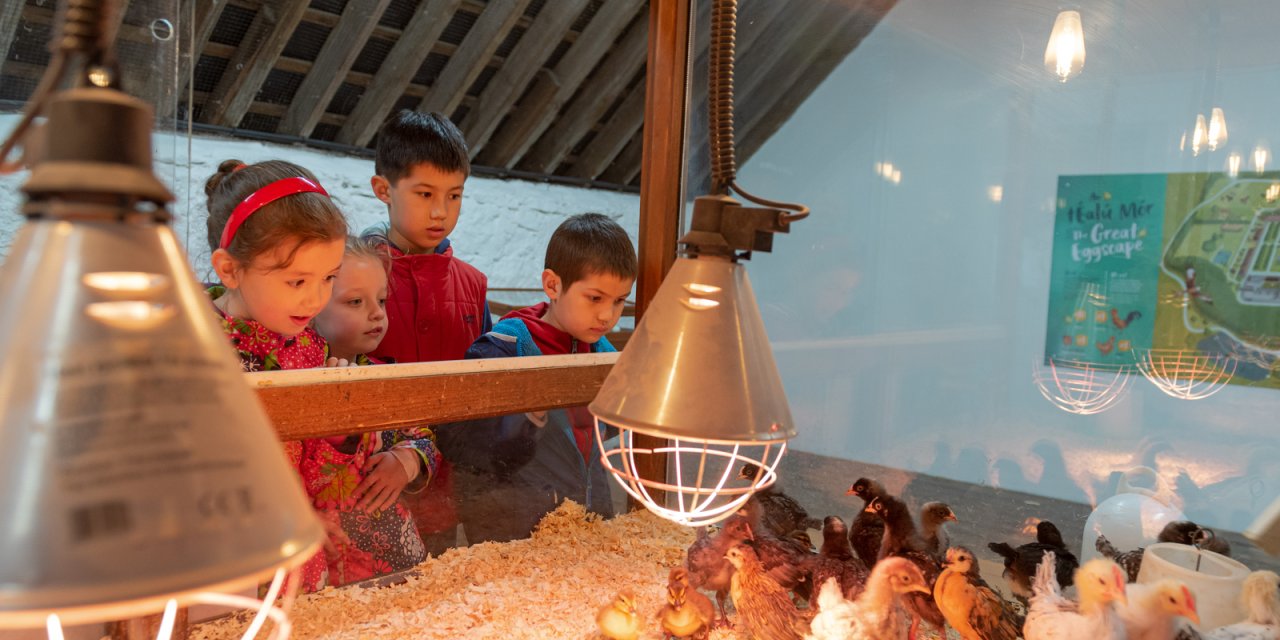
437	305
512	470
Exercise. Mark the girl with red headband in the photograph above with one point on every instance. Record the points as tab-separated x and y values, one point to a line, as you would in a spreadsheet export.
278	243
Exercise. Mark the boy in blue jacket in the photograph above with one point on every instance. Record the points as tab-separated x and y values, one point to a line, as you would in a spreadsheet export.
513	470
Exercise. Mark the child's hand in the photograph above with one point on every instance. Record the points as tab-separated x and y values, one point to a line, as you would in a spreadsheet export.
384	479
337	362
335	538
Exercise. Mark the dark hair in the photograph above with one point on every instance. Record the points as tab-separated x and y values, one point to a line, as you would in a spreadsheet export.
410	138
302	217
590	243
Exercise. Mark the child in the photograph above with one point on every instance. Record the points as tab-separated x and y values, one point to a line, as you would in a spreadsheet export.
437	306
277	244
380	535
515	469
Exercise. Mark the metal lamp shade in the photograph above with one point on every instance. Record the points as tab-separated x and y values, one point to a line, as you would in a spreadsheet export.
136	465
699	365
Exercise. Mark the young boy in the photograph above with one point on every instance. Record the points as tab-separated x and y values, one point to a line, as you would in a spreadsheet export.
514	469
437	305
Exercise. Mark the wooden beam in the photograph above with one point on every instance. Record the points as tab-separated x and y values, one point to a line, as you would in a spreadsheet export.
526	58
594	98
205	15
315	403
780	92
612	137
340	51
472	56
10	17
257	54
626	166
397	71
539	108
661	179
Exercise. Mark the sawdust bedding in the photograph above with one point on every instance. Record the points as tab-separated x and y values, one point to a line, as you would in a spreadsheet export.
548	586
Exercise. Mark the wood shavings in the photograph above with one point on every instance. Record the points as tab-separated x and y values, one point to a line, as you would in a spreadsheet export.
549	586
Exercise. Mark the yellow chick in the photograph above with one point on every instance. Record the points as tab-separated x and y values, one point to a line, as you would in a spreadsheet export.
619	619
688	613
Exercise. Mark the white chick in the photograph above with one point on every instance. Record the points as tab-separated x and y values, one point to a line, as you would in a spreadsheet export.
1099	583
1152	610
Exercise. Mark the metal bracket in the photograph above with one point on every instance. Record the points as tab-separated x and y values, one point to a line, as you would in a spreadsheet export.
721	226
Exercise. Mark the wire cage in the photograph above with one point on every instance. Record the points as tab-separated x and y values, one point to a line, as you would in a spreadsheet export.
1185	373
707	480
1083	388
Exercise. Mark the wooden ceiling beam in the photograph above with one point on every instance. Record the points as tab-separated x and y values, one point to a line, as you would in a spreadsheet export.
551	90
397	71
205	18
391	34
339	52
10	18
473	55
610	79
781	93
612	137
526	58
257	54
626	166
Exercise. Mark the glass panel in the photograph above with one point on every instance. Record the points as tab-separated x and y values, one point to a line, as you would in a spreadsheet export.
1016	293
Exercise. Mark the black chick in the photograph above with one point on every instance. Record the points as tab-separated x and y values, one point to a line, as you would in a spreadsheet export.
836	560
782	515
1020	563
708	569
1190	533
901	540
867	530
1129	561
932	516
781	558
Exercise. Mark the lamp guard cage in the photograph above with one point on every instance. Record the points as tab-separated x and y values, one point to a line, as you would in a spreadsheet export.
1083	388
1186	374
283	583
696	503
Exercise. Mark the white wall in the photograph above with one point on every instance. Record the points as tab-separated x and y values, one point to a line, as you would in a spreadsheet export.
503	229
926	362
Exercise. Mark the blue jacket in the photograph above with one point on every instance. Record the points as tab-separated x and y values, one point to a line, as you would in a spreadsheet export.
511	472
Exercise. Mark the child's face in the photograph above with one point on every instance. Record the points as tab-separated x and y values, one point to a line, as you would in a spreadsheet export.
590	307
283	300
356	318
423	206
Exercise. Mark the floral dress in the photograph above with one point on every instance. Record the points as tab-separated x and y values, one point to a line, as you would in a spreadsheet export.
331	468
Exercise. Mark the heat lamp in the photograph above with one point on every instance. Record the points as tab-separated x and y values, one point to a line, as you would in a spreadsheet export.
699	372
140	473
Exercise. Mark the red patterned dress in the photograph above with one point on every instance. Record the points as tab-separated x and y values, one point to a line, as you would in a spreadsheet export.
331	468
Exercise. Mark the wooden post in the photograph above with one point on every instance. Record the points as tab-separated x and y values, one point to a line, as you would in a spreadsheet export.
663	174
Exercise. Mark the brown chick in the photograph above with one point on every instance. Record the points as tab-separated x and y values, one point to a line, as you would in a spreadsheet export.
932	516
765	610
707	567
782	514
972	608
619	619
782	558
688	613
836	560
901	540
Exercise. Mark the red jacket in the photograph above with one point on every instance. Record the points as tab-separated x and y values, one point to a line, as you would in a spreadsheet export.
435	307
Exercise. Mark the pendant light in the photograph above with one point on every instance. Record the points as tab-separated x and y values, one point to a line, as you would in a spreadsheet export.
699	370
1064	55
139	469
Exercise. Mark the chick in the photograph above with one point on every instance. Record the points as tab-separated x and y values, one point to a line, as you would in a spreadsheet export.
1187	532
707	567
1260	597
836	560
971	607
932	516
1152	610
877	614
867	530
1130	561
901	540
619	619
688	613
1020	564
1099	583
765	610
782	558
782	515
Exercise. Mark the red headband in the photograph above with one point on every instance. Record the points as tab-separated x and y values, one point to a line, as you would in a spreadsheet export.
262	197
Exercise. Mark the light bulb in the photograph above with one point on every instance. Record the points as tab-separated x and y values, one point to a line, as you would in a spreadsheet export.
1199	135
1217	129
1233	164
1260	157
1064	56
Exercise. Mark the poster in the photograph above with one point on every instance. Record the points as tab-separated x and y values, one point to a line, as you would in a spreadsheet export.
1186	266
